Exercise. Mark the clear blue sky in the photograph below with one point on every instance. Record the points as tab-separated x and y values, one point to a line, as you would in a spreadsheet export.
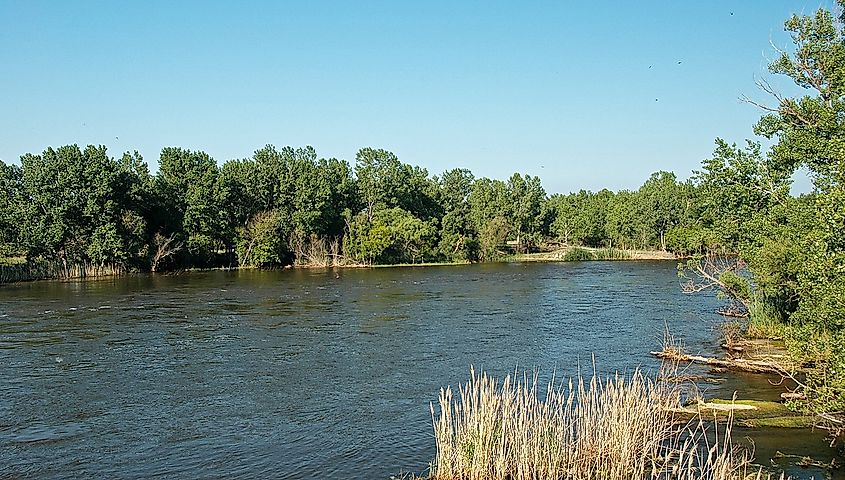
583	94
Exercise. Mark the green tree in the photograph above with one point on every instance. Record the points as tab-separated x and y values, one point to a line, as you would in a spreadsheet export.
624	222
239	196
663	205
810	131
736	190
563	210
490	208
10	207
794	247
187	182
493	234
526	196
381	179
269	166
384	182
262	242
82	207
459	237
591	218
393	235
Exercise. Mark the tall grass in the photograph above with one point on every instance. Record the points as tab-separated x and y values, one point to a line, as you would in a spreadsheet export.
620	428
42	269
764	321
611	254
580	254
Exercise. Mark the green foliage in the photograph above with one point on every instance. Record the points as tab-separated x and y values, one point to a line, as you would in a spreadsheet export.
81	207
794	247
624	224
809	129
810	132
765	321
737	189
262	242
458	239
591	217
823	353
187	183
10	210
562	210
611	254
393	236
90	208
384	183
641	219
525	196
239	190
663	205
578	255
492	237
735	286
690	240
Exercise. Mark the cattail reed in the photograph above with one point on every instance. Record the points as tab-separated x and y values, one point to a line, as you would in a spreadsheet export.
618	428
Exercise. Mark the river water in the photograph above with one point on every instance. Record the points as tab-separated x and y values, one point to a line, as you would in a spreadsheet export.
306	373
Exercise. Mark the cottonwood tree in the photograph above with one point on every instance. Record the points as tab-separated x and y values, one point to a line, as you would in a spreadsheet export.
794	248
79	207
10	208
188	184
263	242
459	237
526	197
810	131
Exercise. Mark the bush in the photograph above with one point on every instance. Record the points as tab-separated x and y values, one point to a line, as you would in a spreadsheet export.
578	255
262	243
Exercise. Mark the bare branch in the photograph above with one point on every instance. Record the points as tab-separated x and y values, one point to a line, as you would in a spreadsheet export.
165	247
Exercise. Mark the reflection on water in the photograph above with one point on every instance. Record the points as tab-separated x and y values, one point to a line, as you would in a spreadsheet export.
298	374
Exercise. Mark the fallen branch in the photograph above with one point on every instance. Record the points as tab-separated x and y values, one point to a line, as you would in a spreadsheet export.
754	366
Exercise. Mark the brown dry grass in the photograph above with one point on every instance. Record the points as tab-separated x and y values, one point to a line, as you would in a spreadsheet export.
619	428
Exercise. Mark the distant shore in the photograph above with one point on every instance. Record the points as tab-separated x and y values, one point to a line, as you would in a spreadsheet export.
599	253
16	270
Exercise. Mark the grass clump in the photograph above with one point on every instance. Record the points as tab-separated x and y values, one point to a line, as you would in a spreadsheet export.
620	428
764	322
578	254
611	254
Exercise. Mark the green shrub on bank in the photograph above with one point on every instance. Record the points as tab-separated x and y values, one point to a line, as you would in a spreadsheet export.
262	243
764	321
578	255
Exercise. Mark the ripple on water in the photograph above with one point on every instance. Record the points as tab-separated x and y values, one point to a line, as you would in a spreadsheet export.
43	433
292	374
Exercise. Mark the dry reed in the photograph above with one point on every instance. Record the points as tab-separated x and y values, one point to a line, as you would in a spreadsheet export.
620	428
43	269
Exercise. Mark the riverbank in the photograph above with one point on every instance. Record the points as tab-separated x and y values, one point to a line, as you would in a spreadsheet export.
765	398
638	427
18	270
571	254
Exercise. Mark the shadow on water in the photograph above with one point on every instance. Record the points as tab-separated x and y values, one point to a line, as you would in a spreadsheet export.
306	373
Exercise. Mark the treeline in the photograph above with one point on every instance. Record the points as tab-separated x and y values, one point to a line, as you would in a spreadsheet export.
80	210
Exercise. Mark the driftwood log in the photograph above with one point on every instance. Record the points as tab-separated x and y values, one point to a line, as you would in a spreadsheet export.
754	366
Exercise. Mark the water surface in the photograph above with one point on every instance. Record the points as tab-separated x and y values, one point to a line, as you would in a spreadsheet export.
301	374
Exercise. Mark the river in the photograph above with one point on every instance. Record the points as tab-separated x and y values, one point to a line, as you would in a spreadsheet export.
310	373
